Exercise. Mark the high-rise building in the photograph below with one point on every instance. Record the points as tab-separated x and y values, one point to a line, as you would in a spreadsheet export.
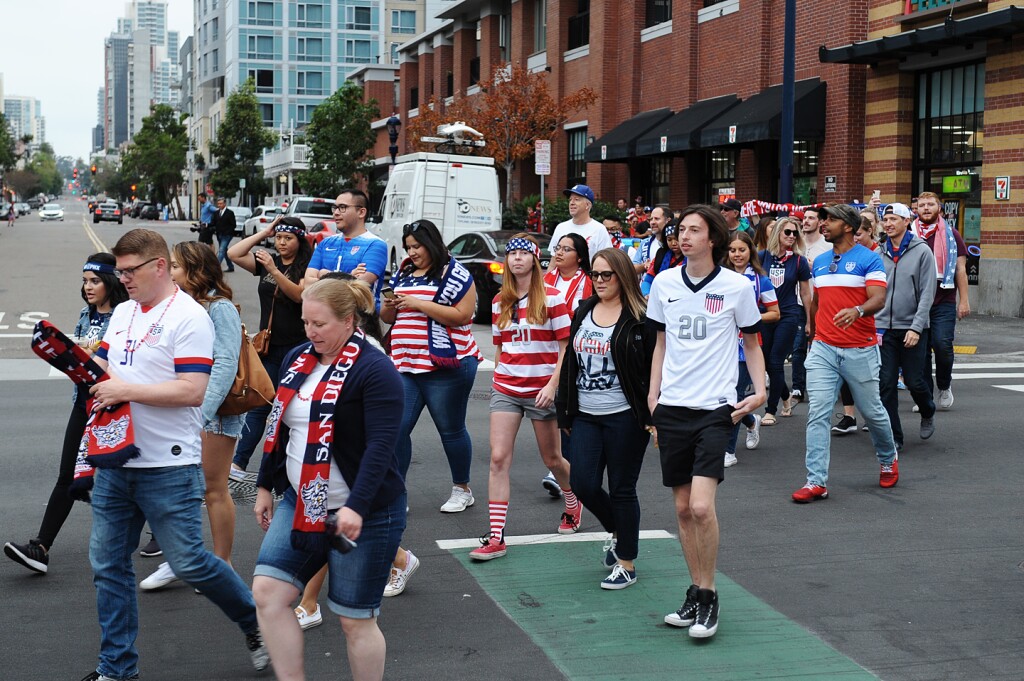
115	84
24	117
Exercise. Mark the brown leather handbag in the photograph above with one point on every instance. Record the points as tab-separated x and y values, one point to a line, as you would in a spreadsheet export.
252	386
261	341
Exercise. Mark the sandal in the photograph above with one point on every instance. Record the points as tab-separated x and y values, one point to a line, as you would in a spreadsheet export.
787	408
768	420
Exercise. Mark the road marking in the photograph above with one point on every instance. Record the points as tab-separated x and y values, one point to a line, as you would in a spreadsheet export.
537	539
1015	388
96	242
970	376
965	349
983	365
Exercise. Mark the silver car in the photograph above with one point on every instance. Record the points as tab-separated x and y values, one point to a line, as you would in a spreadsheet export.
51	211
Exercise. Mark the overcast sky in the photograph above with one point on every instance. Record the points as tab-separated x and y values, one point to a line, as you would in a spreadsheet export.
53	50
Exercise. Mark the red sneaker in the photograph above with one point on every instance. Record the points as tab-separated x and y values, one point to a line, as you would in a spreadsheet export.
571	521
890	474
809	493
491	548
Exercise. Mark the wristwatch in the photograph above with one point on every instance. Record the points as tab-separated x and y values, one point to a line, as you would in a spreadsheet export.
860	310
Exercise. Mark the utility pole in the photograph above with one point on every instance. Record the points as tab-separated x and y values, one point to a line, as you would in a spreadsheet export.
788	104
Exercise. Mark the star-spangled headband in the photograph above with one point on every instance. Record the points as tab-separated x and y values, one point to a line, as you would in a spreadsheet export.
521	244
670	230
98	267
297	231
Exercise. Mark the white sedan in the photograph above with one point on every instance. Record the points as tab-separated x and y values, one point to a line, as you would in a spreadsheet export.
51	211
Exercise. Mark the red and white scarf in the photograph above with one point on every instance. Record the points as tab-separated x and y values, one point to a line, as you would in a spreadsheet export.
309	523
579	287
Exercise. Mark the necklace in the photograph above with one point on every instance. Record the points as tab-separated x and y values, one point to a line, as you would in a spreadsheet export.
131	321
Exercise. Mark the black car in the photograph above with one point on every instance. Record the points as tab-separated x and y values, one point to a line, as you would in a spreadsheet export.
483	254
108	210
136	210
150	212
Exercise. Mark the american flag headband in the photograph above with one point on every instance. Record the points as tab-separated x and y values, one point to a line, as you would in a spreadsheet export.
521	244
297	231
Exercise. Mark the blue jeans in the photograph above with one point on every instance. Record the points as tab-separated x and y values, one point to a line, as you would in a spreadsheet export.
170	498
615	442
797	360
777	344
256	419
827	367
222	254
895	357
445	394
748	420
943	324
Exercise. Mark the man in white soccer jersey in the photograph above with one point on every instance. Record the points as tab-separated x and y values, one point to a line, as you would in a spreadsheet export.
699	311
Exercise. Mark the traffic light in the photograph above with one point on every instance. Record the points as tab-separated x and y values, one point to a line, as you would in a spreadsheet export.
133	189
74	173
93	169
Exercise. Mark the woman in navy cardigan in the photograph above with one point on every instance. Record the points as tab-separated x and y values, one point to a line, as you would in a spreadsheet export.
339	396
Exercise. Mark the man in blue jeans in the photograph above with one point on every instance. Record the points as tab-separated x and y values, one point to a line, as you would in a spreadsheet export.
158	352
849	290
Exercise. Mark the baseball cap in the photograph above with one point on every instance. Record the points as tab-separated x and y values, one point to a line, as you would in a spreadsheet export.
731	204
898	209
580	190
844	212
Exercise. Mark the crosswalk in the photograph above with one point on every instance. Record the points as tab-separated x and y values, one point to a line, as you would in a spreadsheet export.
1010	375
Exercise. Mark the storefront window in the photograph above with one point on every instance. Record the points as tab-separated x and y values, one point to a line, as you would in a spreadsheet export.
805	172
721	176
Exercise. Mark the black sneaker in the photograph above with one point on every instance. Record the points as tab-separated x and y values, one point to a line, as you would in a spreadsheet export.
96	676
705	624
847	424
684	616
257	650
31	555
152	549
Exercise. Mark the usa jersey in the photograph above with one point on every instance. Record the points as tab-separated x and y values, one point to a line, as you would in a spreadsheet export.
529	352
701	322
855	270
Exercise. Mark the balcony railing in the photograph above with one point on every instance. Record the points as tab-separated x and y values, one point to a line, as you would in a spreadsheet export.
914	6
294	157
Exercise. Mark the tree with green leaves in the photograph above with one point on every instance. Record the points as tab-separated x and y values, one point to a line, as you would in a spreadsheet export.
238	148
7	155
44	166
339	136
156	156
111	180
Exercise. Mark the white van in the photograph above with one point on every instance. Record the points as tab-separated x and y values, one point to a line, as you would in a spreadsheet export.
457	193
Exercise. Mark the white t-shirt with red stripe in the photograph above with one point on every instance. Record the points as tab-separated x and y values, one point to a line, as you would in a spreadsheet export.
154	345
529	352
410	350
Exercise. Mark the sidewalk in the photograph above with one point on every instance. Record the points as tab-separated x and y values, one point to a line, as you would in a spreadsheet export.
985	335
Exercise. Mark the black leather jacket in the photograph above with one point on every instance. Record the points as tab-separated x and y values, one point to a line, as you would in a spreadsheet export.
632	349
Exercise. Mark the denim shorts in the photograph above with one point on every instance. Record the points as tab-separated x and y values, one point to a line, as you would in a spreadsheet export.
230	426
524	406
356	579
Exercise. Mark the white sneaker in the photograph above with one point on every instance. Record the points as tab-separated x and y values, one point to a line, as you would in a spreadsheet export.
459	501
551	485
916	409
730	460
399	579
236	473
945	399
754	434
163	576
309	620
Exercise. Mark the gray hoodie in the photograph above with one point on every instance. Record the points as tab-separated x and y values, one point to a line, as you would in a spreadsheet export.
910	288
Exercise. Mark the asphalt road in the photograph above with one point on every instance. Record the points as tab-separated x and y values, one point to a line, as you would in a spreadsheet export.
921	582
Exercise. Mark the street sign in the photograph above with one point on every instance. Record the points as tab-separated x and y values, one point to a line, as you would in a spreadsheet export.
604	152
542	157
1003	188
732	134
830	183
241	183
664	144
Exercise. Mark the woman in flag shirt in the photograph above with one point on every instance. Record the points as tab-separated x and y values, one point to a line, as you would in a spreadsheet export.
569	275
530	323
790	274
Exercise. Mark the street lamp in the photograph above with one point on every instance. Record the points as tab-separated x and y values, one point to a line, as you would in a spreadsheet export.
393	124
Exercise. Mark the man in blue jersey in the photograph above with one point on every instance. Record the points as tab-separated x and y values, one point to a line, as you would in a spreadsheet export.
353	249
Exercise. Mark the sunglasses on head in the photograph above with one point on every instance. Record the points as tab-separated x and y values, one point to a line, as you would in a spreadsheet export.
411	228
595	275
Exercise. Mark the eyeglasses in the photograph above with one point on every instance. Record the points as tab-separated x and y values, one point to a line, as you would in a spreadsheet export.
834	266
128	273
411	229
601	276
789	232
341	207
563	249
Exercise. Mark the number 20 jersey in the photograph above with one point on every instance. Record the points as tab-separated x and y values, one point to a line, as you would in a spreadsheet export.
700	322
529	352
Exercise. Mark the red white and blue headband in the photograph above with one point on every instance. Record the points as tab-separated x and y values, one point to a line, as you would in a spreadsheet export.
522	244
98	267
297	231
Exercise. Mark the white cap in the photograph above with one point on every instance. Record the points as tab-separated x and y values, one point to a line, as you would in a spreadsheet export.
898	209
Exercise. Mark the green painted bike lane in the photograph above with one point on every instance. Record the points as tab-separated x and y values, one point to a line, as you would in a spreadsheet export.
552	592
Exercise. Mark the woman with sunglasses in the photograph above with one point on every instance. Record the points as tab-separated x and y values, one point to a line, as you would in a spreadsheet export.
602	404
569	275
790	274
741	259
531	330
433	348
670	255
102	291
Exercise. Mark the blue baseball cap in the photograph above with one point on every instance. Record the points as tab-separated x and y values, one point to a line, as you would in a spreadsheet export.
580	190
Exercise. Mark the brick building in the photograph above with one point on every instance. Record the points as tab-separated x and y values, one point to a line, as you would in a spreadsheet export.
690	102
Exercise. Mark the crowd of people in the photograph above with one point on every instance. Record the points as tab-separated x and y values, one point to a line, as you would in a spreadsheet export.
681	338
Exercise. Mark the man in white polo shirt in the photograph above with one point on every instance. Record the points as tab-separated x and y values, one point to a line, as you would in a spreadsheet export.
581	201
158	351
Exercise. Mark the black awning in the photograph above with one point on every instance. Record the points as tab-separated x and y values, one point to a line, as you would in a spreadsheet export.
759	118
1002	23
682	131
619	143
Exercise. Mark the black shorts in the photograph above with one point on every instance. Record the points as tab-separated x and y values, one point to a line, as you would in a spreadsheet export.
206	235
692	442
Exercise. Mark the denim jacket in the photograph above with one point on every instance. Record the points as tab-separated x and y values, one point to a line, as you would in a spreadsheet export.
227	341
81	329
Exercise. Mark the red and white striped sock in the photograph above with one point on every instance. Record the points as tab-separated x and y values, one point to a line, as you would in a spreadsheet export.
572	504
498	511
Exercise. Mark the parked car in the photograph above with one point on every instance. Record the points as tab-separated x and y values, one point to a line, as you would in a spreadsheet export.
261	219
35	203
483	254
310	209
242	213
137	209
150	212
109	211
51	211
321	231
23	208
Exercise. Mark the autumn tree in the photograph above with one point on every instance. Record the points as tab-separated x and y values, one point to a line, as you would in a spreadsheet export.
339	138
241	139
515	108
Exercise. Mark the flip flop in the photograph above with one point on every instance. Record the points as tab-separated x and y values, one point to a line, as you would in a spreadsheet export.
768	420
787	408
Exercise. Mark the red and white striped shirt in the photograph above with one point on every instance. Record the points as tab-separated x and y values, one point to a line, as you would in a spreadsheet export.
529	352
410	350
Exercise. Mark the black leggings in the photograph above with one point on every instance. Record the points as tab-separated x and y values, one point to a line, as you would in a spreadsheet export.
59	506
846	395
